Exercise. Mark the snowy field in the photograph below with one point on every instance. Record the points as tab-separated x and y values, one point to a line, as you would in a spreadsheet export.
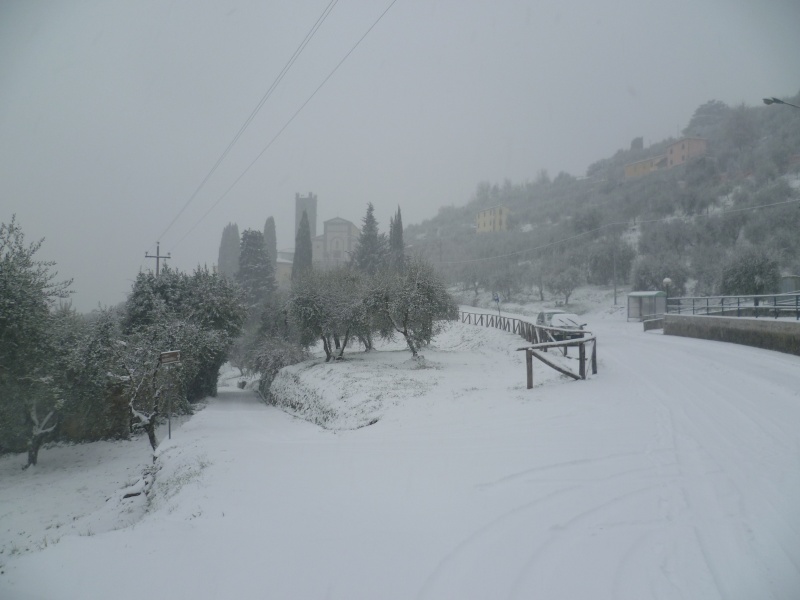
673	473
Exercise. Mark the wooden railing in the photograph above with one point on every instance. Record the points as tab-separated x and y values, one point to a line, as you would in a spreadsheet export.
541	339
526	330
531	353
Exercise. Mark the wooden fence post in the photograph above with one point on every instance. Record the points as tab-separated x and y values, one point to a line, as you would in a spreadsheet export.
582	360
594	356
529	366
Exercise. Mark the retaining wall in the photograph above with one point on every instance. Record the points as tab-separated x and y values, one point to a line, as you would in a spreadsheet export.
771	334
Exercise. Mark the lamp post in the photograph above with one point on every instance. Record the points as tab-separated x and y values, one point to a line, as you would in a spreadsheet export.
769	101
667	282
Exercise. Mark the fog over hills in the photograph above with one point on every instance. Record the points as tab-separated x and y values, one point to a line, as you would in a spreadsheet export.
112	118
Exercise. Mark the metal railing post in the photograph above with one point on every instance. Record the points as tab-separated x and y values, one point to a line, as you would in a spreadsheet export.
529	366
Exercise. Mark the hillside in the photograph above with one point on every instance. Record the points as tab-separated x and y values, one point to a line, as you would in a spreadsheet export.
686	222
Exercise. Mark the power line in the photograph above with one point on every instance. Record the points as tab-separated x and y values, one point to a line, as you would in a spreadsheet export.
282	129
320	20
615	224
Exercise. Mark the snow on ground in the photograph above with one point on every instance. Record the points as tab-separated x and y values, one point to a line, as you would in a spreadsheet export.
76	489
672	473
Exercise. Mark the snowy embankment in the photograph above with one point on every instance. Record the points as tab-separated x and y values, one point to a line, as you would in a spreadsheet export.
673	473
360	391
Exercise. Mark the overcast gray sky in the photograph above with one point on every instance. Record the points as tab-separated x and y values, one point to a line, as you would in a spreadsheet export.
113	113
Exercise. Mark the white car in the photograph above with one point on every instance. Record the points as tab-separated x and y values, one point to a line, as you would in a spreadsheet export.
544	317
567	320
561	320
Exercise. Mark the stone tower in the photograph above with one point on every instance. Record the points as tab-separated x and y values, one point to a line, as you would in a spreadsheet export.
309	205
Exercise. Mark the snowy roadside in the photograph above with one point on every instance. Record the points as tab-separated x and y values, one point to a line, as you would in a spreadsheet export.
89	489
360	390
75	490
671	474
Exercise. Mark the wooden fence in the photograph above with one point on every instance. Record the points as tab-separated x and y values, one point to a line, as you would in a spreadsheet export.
531	352
541	339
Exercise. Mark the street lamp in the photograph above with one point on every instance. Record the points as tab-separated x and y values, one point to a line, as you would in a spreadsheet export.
769	101
667	282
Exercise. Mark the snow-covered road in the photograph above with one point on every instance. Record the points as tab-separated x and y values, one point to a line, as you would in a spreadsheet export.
673	473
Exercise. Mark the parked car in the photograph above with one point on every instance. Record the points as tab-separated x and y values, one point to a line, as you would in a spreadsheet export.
562	320
567	321
544	317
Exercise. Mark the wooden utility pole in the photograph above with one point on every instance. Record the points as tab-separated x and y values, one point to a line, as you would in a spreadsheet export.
158	256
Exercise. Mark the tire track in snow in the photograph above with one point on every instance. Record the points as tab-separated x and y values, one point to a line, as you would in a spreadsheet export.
536	567
452	555
580	462
594	489
712	437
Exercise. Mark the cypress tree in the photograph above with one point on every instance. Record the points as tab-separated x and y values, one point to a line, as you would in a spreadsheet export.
396	246
255	275
370	253
271	241
302	249
228	261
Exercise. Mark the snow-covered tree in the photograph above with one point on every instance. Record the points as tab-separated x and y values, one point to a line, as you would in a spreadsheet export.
750	271
210	303
310	309
609	258
347	293
94	405
228	261
649	273
139	371
396	246
301	265
29	396
271	355
331	306
563	281
256	275
149	293
216	306
371	249
413	304
271	242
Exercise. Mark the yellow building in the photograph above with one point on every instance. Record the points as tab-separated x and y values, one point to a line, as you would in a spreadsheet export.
643	167
677	154
493	219
682	150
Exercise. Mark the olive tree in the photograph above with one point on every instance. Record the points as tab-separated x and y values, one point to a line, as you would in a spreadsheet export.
331	306
412	304
750	271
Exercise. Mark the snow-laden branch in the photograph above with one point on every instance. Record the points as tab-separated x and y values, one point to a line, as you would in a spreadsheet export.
41	429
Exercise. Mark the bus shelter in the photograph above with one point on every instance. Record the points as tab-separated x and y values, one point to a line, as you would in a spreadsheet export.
644	305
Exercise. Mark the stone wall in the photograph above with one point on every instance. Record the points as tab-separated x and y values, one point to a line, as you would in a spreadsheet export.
653	324
771	334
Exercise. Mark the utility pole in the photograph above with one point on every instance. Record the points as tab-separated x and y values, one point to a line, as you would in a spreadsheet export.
158	256
614	259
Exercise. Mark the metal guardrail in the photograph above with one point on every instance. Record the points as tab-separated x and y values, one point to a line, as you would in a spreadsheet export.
764	305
